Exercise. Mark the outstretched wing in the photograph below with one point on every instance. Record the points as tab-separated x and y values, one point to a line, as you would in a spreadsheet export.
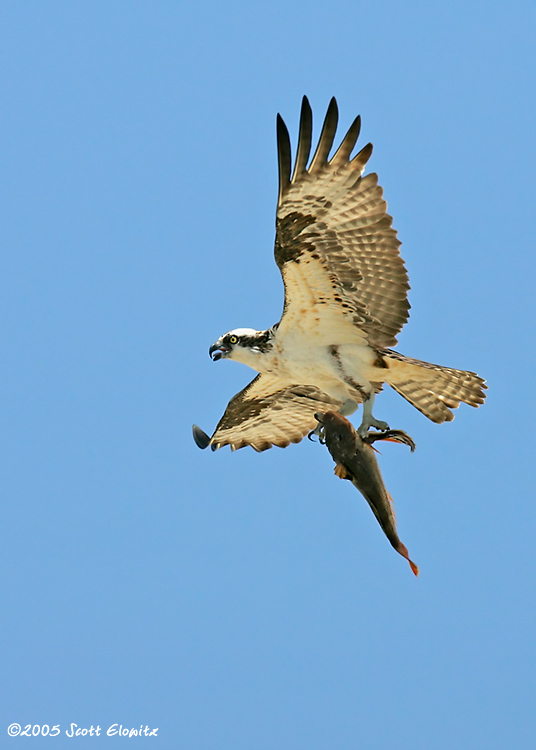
335	246
266	413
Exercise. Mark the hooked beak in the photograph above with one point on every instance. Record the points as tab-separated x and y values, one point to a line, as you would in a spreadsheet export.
217	351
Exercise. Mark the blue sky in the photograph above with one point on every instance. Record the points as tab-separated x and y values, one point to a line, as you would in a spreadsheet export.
240	601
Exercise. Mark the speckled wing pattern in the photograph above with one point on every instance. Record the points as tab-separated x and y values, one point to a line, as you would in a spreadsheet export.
267	413
337	251
345	281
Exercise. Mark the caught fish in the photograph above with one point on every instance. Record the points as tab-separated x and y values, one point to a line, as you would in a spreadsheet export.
356	461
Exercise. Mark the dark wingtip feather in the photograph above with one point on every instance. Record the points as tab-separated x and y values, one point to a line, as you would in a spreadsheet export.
363	156
327	136
201	438
304	139
283	156
347	144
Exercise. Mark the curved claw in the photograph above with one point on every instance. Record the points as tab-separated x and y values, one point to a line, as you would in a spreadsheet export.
366	424
368	420
319	431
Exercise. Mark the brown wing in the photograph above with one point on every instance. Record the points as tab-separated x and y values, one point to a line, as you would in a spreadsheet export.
335	246
266	413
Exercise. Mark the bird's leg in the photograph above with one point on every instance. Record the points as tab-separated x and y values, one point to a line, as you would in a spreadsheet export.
368	420
348	407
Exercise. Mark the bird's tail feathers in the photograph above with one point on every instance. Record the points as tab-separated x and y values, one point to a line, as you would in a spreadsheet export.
432	389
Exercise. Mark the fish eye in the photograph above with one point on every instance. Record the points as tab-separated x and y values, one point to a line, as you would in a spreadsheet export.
233	339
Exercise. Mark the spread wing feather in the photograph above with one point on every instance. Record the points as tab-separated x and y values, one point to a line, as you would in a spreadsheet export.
335	245
267	413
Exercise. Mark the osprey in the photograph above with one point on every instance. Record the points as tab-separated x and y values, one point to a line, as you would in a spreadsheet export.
345	300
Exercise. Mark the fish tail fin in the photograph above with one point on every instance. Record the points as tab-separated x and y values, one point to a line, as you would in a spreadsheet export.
403	550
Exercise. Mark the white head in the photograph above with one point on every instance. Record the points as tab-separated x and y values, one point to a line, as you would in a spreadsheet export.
242	345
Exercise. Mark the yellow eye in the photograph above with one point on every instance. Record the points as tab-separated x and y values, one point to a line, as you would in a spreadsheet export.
233	339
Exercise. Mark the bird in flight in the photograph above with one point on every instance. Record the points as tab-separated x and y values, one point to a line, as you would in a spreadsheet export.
345	301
